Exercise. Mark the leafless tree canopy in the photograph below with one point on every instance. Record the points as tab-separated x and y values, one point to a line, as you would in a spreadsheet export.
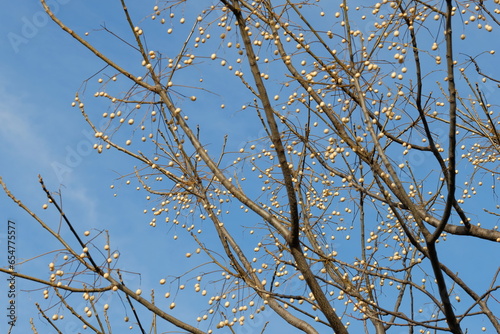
326	157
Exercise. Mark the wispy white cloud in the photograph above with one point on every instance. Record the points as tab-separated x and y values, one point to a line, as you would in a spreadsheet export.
30	146
18	135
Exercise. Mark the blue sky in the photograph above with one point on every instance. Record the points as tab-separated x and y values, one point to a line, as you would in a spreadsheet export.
41	68
38	80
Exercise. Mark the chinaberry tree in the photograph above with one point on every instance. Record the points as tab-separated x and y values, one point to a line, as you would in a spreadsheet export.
327	157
